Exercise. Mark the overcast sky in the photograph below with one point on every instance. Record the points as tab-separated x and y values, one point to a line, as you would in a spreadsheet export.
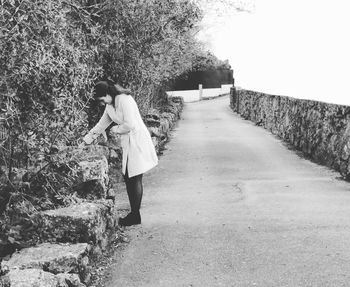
297	48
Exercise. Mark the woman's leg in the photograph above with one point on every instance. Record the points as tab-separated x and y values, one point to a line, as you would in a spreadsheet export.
128	185
137	192
134	189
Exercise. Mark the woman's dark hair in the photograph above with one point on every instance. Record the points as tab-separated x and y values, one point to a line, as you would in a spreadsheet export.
108	87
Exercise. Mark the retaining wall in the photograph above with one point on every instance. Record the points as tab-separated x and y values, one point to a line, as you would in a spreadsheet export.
194	95
320	130
68	239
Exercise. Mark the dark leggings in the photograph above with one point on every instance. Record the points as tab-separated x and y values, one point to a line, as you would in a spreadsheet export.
134	189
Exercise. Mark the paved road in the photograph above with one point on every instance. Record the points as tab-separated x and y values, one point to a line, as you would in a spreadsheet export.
230	205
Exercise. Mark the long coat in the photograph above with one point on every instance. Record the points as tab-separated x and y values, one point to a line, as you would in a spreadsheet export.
139	154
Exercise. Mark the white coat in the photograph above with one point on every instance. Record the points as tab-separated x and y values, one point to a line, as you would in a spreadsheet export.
139	154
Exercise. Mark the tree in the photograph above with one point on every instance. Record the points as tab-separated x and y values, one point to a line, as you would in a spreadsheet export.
150	43
52	53
208	61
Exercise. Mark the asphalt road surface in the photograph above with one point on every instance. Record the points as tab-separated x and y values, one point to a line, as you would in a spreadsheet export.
230	205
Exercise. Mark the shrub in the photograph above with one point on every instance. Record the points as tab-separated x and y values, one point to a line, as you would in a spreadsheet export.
52	52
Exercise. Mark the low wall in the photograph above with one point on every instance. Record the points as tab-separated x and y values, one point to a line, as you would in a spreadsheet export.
188	96
194	95
63	246
320	130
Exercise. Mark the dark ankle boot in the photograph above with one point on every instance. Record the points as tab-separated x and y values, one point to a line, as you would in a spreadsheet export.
132	218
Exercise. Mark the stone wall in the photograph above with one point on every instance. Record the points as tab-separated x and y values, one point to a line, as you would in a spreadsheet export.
320	130
69	238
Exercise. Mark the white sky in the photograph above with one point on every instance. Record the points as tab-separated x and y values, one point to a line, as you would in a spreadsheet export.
297	48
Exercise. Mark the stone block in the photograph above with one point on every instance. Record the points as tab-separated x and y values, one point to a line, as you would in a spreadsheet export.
164	126
171	117
155	141
93	175
91	166
178	100
29	278
39	278
53	258
152	120
171	108
154	131
91	190
114	155
70	280
84	222
94	168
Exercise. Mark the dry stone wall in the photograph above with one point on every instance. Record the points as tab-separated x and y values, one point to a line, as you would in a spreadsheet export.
320	130
68	237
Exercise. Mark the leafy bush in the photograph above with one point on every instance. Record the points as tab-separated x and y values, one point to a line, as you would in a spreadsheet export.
48	69
206	61
52	52
149	43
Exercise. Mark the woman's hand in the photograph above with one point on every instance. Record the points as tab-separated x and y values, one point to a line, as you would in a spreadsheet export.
82	143
88	139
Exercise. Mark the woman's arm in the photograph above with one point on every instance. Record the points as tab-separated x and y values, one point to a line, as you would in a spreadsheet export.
129	117
99	128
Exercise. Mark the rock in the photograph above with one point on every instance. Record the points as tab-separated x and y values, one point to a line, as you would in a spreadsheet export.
154	131
160	126
171	108
93	177
155	141
115	159
152	120
177	100
29	278
111	194
84	222
71	280
54	258
171	117
115	165
114	155
152	123
164	126
39	278
91	190
91	169
154	115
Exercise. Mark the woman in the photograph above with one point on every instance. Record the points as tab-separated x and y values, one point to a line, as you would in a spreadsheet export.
139	154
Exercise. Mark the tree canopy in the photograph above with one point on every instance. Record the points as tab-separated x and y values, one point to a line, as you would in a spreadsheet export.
52	52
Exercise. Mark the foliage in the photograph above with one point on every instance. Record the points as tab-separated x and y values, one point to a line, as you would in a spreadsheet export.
150	43
34	192
48	65
51	54
208	61
53	51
